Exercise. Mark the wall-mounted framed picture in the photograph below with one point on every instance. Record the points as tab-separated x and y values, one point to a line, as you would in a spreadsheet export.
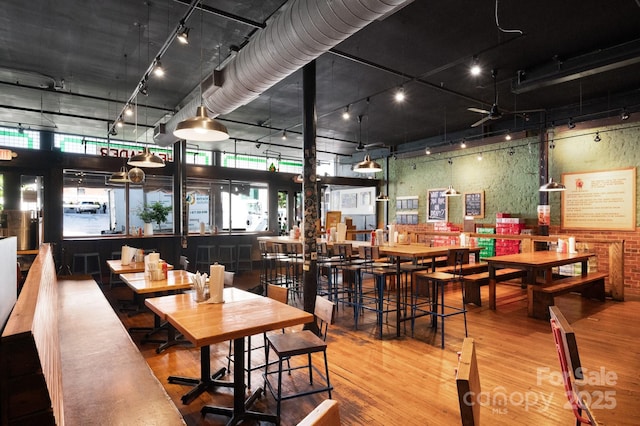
437	205
473	204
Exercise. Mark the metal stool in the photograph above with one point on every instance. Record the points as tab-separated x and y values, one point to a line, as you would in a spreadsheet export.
227	257
205	256
114	278
88	264
244	262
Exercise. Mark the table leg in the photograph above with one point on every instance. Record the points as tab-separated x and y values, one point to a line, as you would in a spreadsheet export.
492	287
398	295
206	380
240	410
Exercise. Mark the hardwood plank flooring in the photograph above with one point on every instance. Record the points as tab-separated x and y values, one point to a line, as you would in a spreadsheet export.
411	381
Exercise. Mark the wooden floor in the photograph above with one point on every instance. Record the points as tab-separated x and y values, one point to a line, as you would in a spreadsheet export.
411	381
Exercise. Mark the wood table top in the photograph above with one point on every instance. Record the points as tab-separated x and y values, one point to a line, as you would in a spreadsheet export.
420	250
164	305
117	267
539	259
209	323
141	283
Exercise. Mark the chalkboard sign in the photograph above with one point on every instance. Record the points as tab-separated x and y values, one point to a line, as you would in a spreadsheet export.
473	204
437	204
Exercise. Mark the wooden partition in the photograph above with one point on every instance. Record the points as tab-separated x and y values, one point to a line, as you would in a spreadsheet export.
30	365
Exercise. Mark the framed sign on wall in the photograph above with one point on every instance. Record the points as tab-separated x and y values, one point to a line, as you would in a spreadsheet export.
473	204
437	205
604	200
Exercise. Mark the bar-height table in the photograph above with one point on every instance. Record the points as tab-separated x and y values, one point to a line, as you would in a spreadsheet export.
204	324
536	263
413	252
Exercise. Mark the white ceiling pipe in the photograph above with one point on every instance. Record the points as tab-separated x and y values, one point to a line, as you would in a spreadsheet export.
299	34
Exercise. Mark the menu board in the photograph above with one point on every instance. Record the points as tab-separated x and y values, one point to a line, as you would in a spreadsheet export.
473	204
603	200
437	204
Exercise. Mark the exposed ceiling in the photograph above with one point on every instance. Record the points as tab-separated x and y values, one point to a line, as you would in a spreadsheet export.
70	65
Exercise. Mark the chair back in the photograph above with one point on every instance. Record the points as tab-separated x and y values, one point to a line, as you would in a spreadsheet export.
279	293
323	312
569	358
457	255
184	263
468	384
327	413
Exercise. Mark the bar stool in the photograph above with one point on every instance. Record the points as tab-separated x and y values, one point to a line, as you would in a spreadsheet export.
88	264
205	255
244	262
227	257
114	278
438	308
267	260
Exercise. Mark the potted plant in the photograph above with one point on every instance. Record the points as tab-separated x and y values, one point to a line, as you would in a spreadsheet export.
156	212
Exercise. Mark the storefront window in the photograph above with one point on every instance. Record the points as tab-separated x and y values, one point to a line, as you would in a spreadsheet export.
93	206
222	205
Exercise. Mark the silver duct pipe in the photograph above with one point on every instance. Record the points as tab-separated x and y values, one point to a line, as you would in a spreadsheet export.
299	34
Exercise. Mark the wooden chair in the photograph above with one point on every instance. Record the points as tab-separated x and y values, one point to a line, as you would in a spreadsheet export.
275	292
327	413
305	342
570	366
468	384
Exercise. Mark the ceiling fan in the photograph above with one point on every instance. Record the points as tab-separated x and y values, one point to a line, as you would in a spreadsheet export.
494	112
361	146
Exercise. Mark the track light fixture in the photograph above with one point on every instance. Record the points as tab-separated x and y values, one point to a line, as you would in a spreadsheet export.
119	122
183	33
571	124
113	131
463	144
399	95
624	115
258	145
428	151
157	69
507	137
479	157
597	137
511	151
475	69
345	113
128	111
284	135
144	90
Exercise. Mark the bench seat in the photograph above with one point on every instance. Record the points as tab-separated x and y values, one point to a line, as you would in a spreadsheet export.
473	282
541	297
467	268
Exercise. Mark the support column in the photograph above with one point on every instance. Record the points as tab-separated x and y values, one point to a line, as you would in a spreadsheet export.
309	188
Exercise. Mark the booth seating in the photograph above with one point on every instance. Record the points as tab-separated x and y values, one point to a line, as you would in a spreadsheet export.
65	354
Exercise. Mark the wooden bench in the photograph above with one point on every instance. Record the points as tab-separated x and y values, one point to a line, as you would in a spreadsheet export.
65	357
541	297
467	268
473	282
327	413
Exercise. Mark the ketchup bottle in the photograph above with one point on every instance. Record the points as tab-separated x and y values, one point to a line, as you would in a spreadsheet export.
373	237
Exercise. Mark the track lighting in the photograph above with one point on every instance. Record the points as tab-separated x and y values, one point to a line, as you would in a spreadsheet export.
128	111
399	95
258	145
119	122
113	131
157	69
428	151
144	90
463	144
480	157
624	115
511	151
284	135
345	113
475	69
183	34
571	124
508	137
597	137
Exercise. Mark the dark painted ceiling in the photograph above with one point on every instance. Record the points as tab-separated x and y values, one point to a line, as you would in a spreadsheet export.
70	65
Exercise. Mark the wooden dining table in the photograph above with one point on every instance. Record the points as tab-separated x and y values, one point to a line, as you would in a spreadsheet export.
537	266
242	314
116	266
414	252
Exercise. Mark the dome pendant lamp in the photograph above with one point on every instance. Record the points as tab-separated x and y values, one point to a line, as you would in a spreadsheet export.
201	128
120	177
367	166
146	159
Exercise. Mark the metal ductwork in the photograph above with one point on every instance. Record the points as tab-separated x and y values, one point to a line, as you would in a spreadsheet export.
299	34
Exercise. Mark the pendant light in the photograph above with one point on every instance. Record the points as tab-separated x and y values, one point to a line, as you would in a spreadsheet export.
552	186
367	166
120	177
146	159
451	192
382	198
201	128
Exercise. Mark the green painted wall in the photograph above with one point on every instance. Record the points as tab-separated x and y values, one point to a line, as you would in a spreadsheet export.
511	181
